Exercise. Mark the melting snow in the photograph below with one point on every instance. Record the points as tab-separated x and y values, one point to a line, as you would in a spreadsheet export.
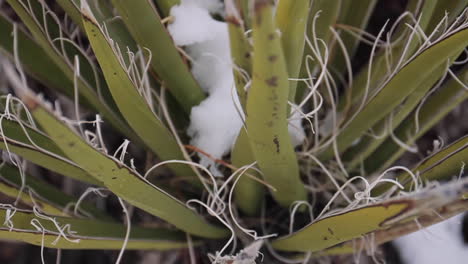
215	123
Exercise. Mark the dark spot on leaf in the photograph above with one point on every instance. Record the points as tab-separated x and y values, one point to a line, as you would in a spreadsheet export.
273	81
276	142
71	144
325	238
115	73
247	55
271	36
273	97
272	58
331	231
258	20
114	178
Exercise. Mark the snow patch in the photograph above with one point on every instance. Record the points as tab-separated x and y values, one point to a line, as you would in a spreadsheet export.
295	128
216	122
440	243
192	24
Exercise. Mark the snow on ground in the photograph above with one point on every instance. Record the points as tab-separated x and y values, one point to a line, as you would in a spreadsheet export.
215	123
440	243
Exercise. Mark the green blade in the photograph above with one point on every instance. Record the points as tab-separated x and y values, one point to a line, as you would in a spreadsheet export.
131	104
248	193
354	15
386	235
291	19
102	11
50	199
71	9
398	88
241	51
444	164
30	18
452	8
145	25
434	109
92	233
333	230
328	12
267	125
344	226
382	61
33	58
122	180
47	154
368	144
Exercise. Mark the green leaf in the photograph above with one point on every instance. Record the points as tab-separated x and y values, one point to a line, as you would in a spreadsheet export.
335	229
41	151
368	144
383	64
51	200
444	164
267	125
145	25
131	104
291	20
403	83
103	12
327	12
241	51
452	8
92	233
71	8
346	225
125	182
432	111
32	18
33	58
351	15
248	193
386	235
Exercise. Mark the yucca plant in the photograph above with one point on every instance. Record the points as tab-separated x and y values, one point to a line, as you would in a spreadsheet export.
249	126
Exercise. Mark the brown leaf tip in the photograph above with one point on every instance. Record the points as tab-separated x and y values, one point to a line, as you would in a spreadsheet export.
233	20
30	101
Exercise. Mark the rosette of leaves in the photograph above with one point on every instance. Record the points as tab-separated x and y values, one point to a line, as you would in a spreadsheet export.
112	64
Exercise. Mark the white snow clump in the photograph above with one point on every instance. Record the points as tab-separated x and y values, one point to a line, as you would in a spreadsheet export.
215	123
440	243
